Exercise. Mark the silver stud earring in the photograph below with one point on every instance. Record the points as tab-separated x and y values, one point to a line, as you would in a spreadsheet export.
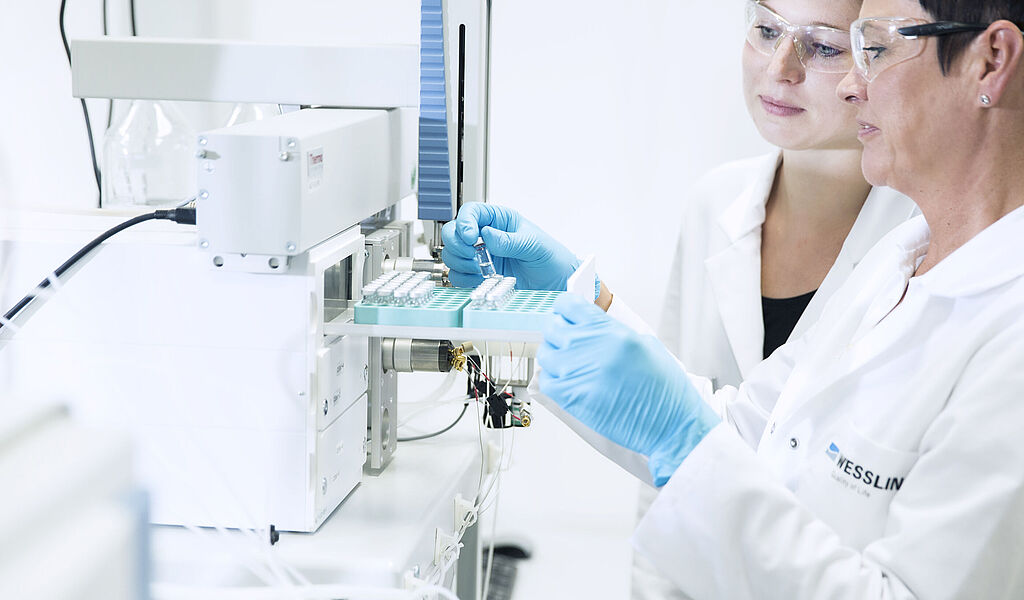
986	100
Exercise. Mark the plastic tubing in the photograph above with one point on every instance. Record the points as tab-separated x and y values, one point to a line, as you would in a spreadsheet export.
434	400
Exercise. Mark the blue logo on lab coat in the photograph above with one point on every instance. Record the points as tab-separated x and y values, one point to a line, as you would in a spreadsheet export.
833	452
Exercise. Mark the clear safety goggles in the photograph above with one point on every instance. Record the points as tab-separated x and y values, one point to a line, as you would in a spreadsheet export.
819	48
881	42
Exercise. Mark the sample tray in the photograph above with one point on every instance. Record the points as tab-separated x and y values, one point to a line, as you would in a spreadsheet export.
528	310
443	310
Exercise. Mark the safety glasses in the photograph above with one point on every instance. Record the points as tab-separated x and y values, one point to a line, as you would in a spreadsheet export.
819	48
881	42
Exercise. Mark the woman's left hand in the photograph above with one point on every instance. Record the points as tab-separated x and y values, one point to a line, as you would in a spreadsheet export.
624	386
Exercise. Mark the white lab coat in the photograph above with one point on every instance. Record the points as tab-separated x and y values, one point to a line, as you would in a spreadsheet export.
876	456
712	315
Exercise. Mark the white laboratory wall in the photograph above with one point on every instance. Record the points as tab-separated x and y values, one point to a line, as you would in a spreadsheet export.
603	114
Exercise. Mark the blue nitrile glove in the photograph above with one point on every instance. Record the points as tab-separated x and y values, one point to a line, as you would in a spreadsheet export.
518	248
624	386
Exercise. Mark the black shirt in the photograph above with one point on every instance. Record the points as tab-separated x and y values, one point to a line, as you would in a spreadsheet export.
780	317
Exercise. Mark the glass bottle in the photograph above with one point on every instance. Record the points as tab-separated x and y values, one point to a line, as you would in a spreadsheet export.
243	113
149	157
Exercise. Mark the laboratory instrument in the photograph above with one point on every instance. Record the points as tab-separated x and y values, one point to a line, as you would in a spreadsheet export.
266	402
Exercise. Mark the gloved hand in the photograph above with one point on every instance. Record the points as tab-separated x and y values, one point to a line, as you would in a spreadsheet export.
518	249
624	386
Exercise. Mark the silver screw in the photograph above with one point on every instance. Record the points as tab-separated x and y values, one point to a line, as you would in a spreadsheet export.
290	247
325	408
204	194
283	157
200	153
323	486
366	373
291	143
202	140
416	571
204	244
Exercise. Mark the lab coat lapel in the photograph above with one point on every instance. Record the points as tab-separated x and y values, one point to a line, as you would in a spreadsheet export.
855	341
883	210
735	273
867	349
988	260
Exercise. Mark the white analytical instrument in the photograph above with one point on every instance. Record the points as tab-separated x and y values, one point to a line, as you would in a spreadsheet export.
222	349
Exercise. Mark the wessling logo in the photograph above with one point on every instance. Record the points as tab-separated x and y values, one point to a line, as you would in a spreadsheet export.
859	473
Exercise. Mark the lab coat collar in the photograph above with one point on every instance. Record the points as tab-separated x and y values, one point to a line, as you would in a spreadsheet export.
747	212
883	210
734	273
989	259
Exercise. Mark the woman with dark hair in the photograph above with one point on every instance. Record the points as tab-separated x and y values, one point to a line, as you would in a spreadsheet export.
879	455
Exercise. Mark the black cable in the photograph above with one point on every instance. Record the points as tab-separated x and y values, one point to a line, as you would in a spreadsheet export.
185	216
85	109
131	13
437	433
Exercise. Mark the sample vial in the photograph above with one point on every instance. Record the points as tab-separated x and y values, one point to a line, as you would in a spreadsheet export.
483	258
401	295
370	293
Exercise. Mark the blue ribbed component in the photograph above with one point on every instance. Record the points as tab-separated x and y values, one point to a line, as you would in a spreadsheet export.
435	176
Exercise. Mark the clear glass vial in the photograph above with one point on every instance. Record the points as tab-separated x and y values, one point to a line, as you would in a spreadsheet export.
483	258
149	157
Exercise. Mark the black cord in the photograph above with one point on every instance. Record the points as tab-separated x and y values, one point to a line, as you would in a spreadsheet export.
185	216
85	109
437	433
131	13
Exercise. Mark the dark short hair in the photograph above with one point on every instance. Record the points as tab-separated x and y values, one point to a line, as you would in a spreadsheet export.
951	47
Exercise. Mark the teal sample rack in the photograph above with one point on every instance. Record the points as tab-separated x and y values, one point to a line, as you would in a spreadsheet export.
527	310
443	310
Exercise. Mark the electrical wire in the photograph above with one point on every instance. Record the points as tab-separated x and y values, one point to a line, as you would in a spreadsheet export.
414	414
85	109
483	496
465	406
185	216
494	532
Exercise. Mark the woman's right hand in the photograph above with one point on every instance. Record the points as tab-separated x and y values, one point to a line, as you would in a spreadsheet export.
518	249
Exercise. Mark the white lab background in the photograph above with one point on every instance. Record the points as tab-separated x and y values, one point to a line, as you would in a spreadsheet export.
603	113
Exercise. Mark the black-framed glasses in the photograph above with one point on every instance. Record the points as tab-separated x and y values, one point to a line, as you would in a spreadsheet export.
881	42
939	28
